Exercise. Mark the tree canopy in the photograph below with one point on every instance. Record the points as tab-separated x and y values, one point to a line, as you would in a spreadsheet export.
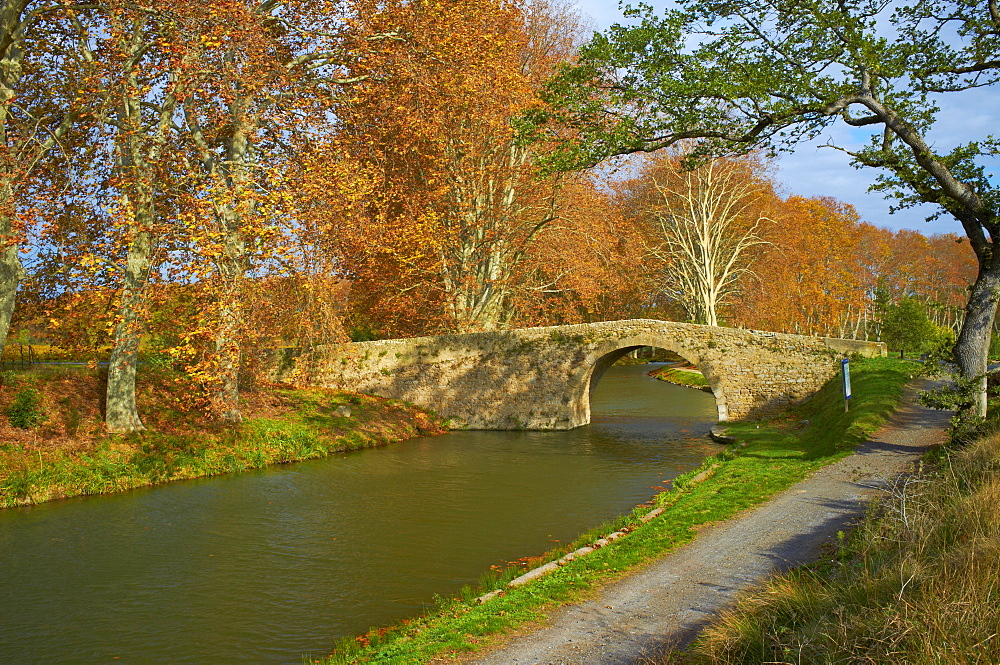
195	184
744	74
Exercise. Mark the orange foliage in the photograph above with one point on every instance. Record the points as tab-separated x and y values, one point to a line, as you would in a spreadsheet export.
456	201
587	265
826	273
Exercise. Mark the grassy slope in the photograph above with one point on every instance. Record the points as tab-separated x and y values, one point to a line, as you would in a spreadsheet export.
777	454
680	377
69	454
917	582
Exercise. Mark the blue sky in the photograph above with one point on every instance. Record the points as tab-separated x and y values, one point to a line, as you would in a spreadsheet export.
815	171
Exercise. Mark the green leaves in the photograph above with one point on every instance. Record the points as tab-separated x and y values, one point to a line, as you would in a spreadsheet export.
26	411
741	75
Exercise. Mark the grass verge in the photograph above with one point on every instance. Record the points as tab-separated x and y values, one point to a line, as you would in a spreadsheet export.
771	456
66	452
681	377
917	582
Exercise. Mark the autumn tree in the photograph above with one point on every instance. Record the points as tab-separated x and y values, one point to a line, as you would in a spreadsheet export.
196	99
741	75
458	198
268	72
588	264
703	225
948	274
810	277
937	270
139	79
43	77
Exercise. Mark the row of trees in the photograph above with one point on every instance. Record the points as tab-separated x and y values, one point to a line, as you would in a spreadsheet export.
202	176
721	245
209	179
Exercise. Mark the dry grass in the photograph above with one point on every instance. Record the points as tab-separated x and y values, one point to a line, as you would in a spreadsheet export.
918	582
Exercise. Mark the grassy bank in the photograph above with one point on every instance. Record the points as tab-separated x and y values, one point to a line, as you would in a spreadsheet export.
917	582
53	443
681	377
770	457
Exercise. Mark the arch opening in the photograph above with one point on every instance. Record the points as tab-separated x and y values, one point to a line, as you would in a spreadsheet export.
654	352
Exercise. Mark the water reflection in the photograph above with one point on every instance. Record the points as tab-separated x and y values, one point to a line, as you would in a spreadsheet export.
264	566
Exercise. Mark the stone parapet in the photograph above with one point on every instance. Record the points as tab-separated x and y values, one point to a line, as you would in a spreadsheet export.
540	378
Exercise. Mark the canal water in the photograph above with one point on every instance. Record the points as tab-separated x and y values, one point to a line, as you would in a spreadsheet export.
266	566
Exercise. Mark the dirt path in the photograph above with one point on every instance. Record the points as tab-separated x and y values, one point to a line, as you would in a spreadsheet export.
669	601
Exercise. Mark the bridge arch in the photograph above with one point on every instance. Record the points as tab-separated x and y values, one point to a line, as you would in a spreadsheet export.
606	355
540	378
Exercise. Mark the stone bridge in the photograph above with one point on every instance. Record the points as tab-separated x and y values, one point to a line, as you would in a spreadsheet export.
541	378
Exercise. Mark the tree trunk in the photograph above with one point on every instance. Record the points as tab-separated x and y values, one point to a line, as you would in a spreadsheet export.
973	345
711	317
11	270
11	274
122	414
227	340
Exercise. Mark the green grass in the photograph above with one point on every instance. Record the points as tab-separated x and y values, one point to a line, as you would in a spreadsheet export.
775	455
917	582
153	458
681	377
307	428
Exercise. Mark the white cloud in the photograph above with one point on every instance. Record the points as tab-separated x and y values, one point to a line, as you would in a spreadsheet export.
604	14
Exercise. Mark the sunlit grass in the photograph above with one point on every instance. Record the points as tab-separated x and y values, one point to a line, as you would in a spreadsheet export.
72	455
681	377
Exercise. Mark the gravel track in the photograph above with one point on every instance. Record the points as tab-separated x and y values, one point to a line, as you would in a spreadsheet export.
671	600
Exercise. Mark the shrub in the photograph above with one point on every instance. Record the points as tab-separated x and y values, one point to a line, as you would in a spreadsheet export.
26	411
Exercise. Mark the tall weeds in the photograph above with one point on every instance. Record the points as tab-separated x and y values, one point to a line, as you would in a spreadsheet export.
918	582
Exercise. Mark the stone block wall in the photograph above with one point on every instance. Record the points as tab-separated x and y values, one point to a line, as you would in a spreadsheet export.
540	378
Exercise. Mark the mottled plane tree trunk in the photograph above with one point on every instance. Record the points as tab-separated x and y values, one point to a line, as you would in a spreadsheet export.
11	270
226	159
143	128
231	264
122	414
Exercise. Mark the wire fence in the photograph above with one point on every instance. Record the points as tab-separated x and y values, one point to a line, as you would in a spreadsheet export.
19	356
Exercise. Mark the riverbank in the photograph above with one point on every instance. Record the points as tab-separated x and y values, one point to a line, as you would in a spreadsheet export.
681	374
769	457
53	444
667	603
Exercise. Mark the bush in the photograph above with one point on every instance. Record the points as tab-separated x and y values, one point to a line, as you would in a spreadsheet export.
26	410
363	333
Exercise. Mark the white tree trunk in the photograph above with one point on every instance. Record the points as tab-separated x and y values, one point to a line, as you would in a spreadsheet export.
704	235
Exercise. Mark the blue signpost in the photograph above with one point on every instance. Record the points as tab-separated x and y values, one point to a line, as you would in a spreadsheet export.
845	370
